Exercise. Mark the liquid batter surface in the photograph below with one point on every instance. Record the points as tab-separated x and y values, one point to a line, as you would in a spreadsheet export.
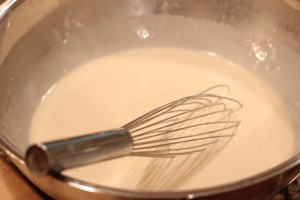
112	90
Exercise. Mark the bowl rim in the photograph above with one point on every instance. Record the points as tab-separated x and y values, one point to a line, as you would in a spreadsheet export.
191	193
85	186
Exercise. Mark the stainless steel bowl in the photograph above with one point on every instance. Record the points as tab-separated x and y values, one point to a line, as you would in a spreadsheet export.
40	40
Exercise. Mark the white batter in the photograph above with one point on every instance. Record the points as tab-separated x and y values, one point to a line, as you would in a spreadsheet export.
112	90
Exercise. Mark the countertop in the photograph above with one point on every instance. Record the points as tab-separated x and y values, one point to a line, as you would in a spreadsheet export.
12	184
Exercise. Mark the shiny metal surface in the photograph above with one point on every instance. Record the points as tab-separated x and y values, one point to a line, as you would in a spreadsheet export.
55	156
37	47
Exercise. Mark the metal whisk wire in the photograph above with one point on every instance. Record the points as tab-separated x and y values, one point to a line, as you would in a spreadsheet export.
154	124
184	126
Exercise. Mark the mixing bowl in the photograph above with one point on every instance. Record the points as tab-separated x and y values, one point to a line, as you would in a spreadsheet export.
42	40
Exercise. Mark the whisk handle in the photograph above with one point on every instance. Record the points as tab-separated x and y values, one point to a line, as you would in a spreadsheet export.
54	156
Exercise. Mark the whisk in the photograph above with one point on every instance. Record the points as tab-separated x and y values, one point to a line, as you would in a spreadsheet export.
184	126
